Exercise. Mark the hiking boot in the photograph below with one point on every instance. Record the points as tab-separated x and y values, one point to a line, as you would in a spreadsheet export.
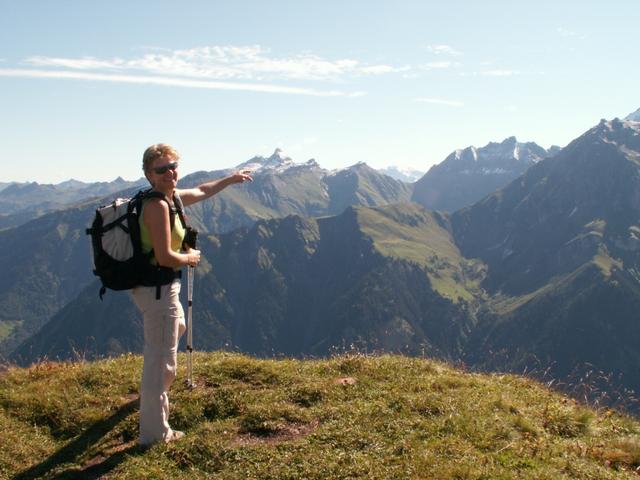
174	435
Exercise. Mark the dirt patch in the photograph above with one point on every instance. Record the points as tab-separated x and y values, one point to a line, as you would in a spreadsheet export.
346	381
289	433
103	456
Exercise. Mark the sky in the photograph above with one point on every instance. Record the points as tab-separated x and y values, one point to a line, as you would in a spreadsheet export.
86	86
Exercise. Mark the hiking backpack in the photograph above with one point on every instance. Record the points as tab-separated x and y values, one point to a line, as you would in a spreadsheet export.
117	246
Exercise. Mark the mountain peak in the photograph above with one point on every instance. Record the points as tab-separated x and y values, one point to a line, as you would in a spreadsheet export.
633	117
623	133
278	161
70	184
466	175
468	154
498	152
360	167
279	156
312	163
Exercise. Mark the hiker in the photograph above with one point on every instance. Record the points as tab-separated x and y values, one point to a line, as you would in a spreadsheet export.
163	314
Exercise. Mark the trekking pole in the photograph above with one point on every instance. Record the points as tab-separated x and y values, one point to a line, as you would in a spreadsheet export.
190	240
190	278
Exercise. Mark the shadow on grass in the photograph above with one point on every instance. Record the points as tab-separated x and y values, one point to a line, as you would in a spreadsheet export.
76	448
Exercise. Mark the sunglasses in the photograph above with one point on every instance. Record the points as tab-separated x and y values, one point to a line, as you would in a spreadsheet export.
165	168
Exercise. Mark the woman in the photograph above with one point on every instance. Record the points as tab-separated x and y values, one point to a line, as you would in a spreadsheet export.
163	315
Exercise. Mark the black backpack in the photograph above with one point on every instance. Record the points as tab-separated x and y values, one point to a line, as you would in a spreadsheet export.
117	247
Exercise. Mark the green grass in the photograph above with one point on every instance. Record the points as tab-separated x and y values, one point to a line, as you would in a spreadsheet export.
410	233
348	417
503	304
6	327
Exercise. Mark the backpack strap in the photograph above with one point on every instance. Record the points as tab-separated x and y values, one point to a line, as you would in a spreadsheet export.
153	194
177	201
177	208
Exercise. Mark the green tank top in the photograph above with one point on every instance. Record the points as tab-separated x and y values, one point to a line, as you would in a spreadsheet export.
177	235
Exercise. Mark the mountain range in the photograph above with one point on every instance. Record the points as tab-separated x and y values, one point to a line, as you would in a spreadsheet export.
307	194
21	202
541	272
469	174
282	187
54	263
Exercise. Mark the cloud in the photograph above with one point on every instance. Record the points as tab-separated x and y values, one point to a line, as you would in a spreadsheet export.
563	32
225	63
440	65
444	50
172	82
439	101
499	73
86	63
382	69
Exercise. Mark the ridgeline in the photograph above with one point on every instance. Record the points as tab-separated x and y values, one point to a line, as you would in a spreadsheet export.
348	417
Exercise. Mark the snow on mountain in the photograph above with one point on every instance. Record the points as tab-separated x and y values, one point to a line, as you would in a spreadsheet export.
404	174
355	166
494	157
277	162
469	174
553	150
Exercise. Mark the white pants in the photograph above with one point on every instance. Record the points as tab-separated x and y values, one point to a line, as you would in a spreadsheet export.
163	326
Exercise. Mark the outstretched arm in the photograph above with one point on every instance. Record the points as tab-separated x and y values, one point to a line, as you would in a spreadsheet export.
189	196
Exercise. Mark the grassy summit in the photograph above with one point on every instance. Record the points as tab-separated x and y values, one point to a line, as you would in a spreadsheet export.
348	417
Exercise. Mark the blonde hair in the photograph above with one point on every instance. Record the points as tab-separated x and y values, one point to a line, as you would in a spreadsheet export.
156	151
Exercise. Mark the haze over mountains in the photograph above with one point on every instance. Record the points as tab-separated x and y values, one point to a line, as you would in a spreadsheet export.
21	202
282	187
407	175
544	269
